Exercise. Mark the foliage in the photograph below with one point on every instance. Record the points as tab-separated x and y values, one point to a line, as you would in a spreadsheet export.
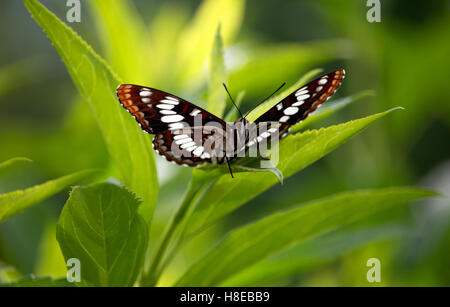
100	226
129	148
249	230
15	202
254	242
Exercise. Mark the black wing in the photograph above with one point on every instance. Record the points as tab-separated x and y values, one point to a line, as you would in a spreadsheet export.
181	128
298	105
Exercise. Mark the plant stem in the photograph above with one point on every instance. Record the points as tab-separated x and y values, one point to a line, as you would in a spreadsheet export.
151	277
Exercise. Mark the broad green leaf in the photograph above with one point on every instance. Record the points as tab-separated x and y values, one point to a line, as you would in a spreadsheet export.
217	76
313	253
39	282
267	105
295	153
329	109
254	242
13	203
101	227
129	147
196	40
123	42
14	161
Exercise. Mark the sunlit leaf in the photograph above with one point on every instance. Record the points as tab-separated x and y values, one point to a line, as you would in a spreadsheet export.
217	76
330	108
13	203
14	161
313	253
295	153
238	168
101	227
129	147
170	19
254	242
197	39
124	42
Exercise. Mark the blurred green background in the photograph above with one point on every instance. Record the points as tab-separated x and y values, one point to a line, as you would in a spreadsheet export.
403	59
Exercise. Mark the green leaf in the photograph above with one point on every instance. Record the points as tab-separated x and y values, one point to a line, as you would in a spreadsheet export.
199	183
273	170
123	42
13	203
217	76
254	242
170	19
237	168
197	38
101	227
313	253
129	147
295	153
329	109
11	162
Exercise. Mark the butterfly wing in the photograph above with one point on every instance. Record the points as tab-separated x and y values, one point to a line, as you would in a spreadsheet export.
183	139
298	105
181	128
157	111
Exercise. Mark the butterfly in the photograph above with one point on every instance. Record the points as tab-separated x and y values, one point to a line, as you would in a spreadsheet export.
189	135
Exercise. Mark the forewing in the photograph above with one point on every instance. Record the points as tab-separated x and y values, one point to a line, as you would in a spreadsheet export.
305	100
157	111
184	133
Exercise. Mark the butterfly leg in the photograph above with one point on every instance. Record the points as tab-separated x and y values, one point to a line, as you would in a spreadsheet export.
229	167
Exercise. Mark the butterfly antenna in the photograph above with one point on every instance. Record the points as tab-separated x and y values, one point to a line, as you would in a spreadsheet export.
229	166
270	96
234	106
